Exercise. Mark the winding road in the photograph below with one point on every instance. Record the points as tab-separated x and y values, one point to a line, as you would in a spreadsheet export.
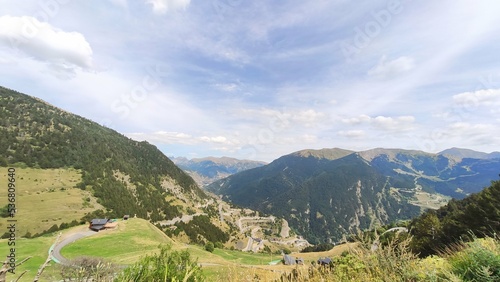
56	253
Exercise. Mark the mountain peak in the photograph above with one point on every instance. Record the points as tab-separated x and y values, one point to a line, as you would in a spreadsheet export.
207	170
461	153
325	153
369	155
225	160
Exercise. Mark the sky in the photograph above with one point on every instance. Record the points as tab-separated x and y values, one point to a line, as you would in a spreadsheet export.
260	79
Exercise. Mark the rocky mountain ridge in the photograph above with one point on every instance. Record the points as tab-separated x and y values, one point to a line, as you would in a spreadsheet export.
329	193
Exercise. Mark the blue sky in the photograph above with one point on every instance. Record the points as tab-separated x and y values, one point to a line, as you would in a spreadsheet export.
260	79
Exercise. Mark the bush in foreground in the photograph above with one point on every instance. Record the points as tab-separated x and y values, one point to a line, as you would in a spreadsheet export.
476	261
473	261
83	269
168	265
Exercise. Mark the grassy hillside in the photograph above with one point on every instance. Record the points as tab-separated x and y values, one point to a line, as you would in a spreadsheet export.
124	245
127	177
352	262
136	238
46	197
38	250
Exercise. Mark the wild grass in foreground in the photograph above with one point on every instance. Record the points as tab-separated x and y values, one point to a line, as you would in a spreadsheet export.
473	261
478	260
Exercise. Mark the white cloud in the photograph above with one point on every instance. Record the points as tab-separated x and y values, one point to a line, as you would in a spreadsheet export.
164	137
388	69
352	133
400	123
163	6
285	118
309	138
484	97
227	87
217	49
309	117
461	128
474	134
62	50
215	139
357	120
390	123
274	72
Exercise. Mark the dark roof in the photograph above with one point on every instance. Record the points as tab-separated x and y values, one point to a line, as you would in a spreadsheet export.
99	221
324	260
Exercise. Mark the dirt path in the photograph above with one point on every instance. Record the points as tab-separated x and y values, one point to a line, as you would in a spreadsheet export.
285	230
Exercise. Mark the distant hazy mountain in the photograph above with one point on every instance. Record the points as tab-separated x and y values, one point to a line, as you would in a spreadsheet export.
330	192
207	170
458	153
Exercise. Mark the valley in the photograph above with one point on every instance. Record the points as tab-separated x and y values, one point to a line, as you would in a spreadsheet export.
329	193
241	217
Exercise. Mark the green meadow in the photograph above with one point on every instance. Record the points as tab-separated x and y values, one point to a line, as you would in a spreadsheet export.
45	197
37	249
127	243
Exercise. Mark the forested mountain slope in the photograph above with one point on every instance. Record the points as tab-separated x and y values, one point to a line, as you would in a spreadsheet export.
128	177
328	193
321	198
478	215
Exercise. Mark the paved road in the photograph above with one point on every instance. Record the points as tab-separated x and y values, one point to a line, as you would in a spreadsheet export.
56	254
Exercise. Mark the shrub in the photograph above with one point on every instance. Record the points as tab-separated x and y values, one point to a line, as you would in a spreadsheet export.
478	261
209	247
168	265
88	269
318	248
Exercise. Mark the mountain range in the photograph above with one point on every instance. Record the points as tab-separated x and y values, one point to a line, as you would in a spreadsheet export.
326	194
207	170
323	194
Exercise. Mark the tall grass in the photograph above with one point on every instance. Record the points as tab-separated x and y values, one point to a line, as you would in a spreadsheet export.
478	260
